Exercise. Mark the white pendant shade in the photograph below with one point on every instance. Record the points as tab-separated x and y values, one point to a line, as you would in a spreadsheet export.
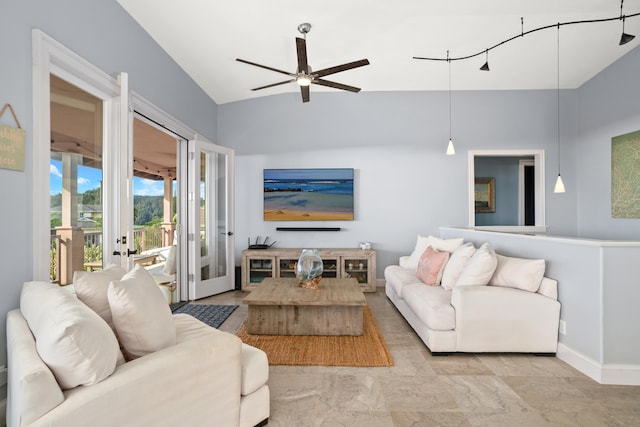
450	149
559	187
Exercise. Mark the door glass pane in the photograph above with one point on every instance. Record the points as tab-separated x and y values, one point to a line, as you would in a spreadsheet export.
213	220
155	202
75	170
221	215
204	223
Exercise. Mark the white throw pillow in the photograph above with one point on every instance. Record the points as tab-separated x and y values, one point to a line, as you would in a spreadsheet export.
447	245
91	288
141	314
479	268
519	273
456	264
75	343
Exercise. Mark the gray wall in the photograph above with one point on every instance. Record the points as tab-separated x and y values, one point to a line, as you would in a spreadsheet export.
597	287
396	141
102	33
607	106
505	170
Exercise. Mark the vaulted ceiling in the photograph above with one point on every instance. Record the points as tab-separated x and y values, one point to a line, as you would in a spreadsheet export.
205	38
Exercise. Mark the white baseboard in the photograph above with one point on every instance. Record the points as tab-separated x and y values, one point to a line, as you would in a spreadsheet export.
603	374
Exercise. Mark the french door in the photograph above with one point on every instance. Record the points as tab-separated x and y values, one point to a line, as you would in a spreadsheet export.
103	172
210	211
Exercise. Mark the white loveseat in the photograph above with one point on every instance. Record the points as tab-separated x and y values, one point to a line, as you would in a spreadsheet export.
483	302
65	368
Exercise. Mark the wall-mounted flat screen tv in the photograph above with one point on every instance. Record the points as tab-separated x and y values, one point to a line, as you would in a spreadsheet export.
308	194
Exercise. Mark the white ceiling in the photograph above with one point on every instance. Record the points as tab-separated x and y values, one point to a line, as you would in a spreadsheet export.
205	36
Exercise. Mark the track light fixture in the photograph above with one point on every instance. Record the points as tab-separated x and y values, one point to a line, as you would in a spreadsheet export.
450	148
624	39
485	67
559	187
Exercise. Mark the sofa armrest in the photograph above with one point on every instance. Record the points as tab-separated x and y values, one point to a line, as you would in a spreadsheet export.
196	381
491	318
32	387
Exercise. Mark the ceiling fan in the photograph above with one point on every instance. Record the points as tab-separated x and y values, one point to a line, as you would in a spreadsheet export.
304	76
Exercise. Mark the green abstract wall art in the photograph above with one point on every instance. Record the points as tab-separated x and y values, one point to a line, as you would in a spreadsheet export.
625	176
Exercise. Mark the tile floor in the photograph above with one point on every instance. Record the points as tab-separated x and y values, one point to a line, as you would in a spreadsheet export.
426	390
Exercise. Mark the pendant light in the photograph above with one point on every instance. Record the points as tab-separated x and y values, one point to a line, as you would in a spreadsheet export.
559	187
450	148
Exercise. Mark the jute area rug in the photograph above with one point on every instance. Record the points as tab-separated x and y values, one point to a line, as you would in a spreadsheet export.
366	350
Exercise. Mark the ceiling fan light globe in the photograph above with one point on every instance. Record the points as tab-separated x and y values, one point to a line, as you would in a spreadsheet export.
303	80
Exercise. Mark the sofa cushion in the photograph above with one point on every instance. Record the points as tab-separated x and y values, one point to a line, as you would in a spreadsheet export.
140	313
170	263
432	305
479	268
398	277
448	245
518	273
431	266
91	288
75	343
457	261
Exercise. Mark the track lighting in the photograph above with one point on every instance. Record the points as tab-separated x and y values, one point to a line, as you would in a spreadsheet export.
485	67
625	38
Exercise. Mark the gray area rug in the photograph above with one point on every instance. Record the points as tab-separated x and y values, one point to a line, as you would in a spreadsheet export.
211	314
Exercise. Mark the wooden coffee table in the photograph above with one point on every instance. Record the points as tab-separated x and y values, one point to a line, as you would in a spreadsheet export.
282	307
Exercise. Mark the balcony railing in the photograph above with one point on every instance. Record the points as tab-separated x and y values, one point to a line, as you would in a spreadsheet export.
144	239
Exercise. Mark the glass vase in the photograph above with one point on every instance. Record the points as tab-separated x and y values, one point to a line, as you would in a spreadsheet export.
309	268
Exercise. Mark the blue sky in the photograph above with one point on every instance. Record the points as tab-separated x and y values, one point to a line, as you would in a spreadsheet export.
89	178
308	173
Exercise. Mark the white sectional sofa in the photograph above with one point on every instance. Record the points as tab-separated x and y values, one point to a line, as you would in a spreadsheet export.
66	367
482	301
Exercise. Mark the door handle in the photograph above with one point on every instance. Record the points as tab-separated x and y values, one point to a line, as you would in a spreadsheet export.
229	233
130	252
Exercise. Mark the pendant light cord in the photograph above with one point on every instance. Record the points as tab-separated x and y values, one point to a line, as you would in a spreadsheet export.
449	94
558	98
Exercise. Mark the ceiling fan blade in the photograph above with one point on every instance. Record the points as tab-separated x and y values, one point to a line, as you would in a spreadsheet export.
339	68
265	67
305	93
335	85
301	47
275	84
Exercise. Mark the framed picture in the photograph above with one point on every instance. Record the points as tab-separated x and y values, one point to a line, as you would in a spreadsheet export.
485	194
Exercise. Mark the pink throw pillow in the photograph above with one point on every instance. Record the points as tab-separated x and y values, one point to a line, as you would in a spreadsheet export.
431	266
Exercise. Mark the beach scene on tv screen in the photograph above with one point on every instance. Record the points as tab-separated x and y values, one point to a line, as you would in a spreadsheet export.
308	194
